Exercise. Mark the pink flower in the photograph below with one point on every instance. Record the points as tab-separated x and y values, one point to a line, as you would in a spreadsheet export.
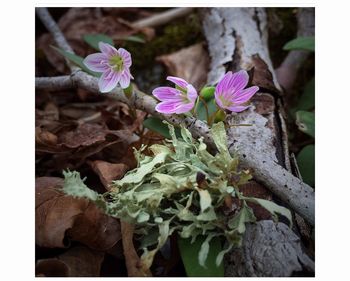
114	65
175	100
230	93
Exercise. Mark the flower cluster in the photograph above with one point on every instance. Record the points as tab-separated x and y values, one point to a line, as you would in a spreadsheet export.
114	64
230	94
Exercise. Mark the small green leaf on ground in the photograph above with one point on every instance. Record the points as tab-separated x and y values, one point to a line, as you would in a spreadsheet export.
94	39
306	122
189	254
307	99
306	163
156	125
301	43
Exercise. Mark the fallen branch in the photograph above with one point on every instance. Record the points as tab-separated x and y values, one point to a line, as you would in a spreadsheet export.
298	195
162	18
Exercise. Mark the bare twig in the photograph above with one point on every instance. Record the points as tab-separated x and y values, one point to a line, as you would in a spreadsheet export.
54	83
163	18
297	194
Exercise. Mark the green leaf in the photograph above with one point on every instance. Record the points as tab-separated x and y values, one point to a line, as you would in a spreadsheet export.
132	38
306	163
272	207
94	39
307	99
205	199
76	60
306	122
301	43
201	111
156	125
189	254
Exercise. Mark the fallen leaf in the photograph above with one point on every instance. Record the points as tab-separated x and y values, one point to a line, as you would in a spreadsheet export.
79	261
108	172
132	260
60	218
190	63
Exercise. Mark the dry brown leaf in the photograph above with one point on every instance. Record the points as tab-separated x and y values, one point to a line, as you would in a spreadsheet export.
132	260
84	135
79	261
190	63
59	216
108	172
51	268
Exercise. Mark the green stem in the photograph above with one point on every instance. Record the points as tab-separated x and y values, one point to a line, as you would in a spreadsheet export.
205	106
211	117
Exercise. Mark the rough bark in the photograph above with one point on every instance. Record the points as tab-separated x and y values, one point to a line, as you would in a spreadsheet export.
269	250
237	39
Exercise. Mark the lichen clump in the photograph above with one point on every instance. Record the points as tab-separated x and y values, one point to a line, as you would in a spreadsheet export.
180	188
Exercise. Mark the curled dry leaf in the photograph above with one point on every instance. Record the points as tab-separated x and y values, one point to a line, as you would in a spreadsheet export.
190	63
132	260
59	216
108	172
76	262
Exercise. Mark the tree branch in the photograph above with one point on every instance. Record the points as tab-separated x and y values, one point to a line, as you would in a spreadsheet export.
162	18
298	195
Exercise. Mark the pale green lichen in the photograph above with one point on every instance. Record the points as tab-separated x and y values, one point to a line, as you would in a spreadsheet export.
181	187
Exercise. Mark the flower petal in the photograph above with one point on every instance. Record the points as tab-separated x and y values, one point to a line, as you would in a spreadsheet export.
96	62
126	57
237	108
245	95
167	107
167	93
125	79
191	93
107	49
178	81
108	81
184	107
238	81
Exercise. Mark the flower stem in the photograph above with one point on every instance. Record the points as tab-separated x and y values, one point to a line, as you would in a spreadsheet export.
211	117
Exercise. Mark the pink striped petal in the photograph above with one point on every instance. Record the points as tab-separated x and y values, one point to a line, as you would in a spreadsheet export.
96	62
108	81
167	107
126	57
221	87
178	81
238	81
167	93
191	93
125	79
245	95
107	49
184	107
237	108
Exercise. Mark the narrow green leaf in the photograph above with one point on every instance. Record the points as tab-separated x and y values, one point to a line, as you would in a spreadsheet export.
244	216
156	125
132	38
189	254
306	163
307	99
94	39
272	207
301	43
201	111
76	60
306	122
